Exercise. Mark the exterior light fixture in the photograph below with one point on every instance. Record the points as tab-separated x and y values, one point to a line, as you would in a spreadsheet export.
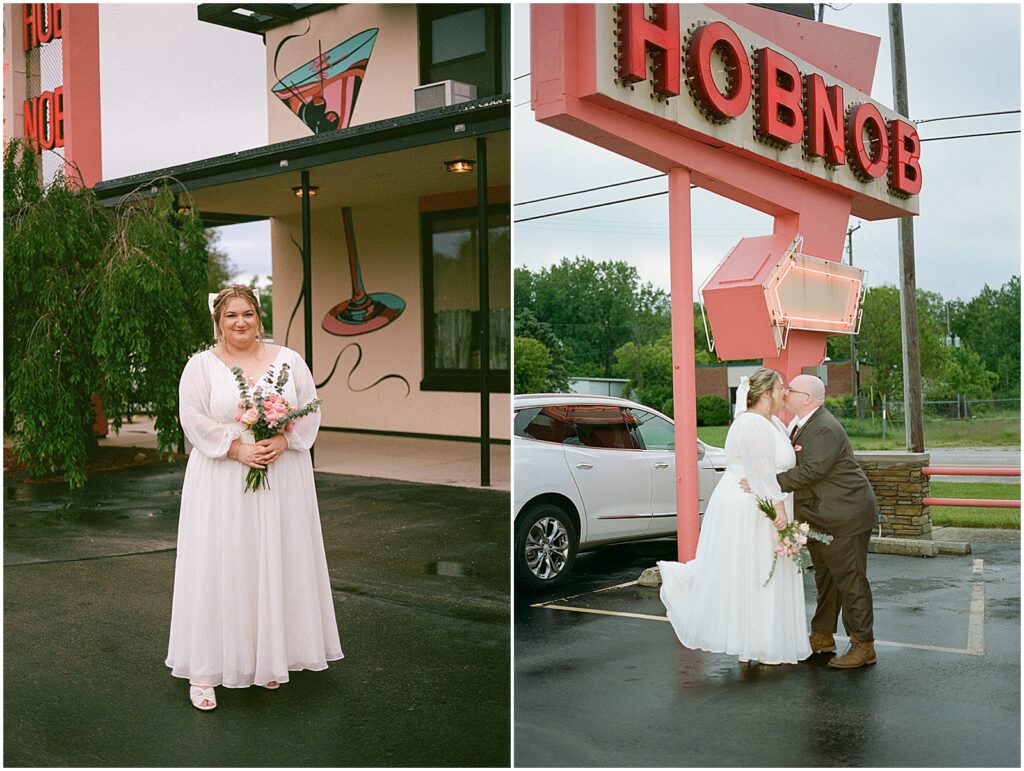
459	166
298	191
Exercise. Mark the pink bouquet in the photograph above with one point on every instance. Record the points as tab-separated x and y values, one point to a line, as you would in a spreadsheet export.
792	541
266	413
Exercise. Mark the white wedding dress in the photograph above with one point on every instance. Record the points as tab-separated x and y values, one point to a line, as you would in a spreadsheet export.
717	601
252	596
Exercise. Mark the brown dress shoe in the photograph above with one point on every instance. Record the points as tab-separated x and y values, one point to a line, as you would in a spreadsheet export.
857	655
822	642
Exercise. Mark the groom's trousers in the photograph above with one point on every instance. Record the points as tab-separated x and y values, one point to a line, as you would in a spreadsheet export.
841	579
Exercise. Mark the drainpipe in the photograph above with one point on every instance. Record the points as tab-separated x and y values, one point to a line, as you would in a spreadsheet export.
307	278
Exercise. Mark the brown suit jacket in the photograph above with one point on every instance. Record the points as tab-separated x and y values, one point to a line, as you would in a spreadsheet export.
830	490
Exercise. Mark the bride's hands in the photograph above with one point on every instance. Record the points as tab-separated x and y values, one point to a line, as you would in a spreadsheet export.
272	448
780	520
246	454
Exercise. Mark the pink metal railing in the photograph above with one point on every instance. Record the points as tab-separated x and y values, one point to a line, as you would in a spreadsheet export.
971	472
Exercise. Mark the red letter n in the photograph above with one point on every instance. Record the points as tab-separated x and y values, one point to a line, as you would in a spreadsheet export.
636	35
825	110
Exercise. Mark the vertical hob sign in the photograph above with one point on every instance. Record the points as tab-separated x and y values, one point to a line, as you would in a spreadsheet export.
765	109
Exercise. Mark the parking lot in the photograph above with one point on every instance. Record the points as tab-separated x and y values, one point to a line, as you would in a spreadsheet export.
419	576
600	679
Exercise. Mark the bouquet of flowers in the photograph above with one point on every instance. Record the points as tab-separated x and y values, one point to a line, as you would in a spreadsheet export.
266	413
792	540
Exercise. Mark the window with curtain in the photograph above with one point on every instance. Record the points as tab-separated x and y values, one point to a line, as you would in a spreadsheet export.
452	321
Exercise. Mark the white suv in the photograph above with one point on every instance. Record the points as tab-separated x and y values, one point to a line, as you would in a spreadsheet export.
593	470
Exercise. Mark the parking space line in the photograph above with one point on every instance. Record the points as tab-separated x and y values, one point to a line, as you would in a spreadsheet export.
574	596
976	625
975	631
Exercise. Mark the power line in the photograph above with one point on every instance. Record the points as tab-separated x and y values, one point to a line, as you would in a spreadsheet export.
520	77
973	115
590	189
968	136
592	206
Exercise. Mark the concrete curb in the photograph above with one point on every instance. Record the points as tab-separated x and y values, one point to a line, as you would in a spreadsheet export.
906	547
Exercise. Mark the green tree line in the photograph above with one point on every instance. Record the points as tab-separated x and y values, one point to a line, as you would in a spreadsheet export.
598	319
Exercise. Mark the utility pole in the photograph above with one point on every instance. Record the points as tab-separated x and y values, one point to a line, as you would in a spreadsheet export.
821	12
854	365
912	388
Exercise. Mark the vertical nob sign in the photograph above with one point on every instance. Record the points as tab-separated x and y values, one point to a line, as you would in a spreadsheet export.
42	23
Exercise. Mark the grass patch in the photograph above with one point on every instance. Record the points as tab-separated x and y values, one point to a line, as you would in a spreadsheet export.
975	516
713	435
866	434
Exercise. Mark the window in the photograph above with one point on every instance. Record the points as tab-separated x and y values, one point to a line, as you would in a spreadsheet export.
603	427
546	424
655	432
451	303
469	43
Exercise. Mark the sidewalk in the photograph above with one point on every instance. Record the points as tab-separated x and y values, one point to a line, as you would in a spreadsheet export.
431	461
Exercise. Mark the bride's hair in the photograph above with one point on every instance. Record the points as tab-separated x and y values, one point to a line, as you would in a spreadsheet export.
761	382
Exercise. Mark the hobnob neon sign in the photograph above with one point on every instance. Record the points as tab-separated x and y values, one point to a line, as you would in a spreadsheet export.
745	91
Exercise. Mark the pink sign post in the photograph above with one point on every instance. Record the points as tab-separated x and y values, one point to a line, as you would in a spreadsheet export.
765	109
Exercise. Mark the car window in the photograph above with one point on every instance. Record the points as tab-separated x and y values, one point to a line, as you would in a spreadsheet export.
603	426
546	424
655	432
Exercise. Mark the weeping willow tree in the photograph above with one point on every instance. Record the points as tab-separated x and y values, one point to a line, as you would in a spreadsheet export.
95	303
152	311
54	240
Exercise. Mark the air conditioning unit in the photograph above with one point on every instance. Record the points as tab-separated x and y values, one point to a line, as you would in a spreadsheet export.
444	93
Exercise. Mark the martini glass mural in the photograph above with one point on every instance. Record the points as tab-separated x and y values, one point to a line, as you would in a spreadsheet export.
362	312
323	91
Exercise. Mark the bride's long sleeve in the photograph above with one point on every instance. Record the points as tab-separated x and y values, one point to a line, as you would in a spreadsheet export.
211	437
305	429
757	452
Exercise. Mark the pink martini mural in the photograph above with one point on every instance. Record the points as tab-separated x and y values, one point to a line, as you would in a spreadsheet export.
323	91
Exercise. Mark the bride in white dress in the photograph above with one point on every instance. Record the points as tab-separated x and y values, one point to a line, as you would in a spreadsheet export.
252	596
718	602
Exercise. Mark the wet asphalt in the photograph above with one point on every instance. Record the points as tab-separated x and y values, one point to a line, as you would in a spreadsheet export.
420	579
603	690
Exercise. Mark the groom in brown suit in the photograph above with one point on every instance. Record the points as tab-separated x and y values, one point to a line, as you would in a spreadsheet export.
832	494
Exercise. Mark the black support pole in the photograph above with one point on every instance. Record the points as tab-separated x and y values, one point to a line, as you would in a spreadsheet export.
485	312
307	278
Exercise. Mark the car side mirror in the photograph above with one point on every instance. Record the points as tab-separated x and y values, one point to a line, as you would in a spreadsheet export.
700	451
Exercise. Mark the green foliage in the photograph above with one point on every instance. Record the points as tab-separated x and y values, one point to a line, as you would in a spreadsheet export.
649	369
93	305
990	325
594	308
841	406
945	371
712	411
527	325
53	246
153	311
533	363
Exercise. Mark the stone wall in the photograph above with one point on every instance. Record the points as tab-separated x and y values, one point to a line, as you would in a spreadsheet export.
899	487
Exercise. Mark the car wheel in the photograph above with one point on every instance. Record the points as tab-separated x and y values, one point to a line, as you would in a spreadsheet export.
546	544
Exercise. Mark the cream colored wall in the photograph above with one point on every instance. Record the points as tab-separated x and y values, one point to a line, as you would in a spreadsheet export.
388	241
391	74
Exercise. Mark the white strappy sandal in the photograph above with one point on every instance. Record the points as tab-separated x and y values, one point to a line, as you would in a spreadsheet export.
198	695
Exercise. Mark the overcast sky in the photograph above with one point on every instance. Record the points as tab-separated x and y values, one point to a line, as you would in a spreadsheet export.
967	235
176	90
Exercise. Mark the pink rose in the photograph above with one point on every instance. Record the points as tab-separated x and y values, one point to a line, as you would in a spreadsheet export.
779	548
802	539
251	416
238	417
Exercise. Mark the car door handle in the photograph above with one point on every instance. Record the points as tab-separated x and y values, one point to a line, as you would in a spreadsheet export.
660	465
584	465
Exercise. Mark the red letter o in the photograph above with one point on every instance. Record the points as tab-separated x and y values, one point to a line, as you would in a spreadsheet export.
702	44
